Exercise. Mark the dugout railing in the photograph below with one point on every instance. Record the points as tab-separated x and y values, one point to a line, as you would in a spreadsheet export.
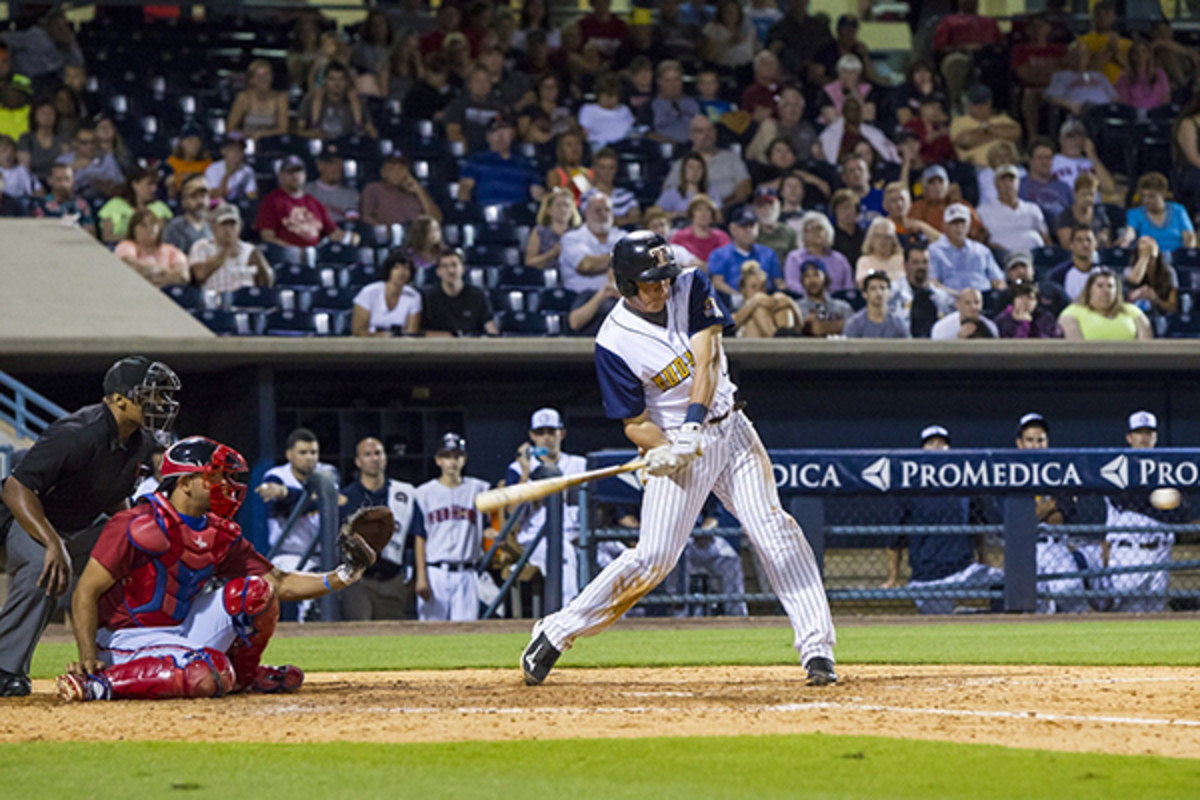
856	506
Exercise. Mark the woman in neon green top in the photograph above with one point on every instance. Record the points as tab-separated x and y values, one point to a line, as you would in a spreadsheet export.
1101	313
137	194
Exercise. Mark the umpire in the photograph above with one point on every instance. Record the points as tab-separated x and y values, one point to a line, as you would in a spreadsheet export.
81	469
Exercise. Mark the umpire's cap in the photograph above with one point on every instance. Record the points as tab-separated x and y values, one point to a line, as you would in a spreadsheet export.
642	256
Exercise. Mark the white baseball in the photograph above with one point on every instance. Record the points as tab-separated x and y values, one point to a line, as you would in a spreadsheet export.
1165	499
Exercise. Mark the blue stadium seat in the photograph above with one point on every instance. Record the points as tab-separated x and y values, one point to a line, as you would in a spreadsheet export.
1186	257
337	299
513	300
337	253
852	296
298	323
1189	277
483	277
284	254
493	255
518	323
294	275
458	212
1149	150
500	233
232	323
1049	256
1116	215
261	298
194	298
1114	256
557	299
359	275
1180	327
522	277
387	236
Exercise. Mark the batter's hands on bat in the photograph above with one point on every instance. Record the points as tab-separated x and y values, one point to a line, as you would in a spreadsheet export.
56	569
687	443
661	461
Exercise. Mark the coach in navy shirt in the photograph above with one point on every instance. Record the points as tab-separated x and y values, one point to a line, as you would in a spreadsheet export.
497	177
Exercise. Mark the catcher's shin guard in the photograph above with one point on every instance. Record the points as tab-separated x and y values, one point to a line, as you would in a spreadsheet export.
254	609
196	673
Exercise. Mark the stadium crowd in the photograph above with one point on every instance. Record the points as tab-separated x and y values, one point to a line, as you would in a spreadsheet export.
468	170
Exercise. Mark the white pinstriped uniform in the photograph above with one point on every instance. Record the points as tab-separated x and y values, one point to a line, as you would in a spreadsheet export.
633	355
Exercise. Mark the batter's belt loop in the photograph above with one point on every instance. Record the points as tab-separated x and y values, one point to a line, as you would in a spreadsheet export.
738	406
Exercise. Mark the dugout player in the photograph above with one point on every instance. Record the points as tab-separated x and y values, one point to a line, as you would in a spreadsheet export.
382	592
81	469
146	628
662	371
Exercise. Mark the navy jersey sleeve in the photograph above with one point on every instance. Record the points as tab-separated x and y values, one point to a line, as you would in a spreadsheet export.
705	309
417	526
354	501
512	477
620	389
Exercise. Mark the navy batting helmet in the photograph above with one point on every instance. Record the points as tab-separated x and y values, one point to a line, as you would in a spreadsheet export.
642	256
221	466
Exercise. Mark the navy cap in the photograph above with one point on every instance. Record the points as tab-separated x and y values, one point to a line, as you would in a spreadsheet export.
1031	419
745	217
847	21
452	443
979	94
289	163
932	431
329	152
812	263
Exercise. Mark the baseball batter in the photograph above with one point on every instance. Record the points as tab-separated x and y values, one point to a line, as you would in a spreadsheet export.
662	370
452	542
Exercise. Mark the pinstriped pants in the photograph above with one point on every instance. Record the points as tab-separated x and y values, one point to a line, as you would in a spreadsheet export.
735	466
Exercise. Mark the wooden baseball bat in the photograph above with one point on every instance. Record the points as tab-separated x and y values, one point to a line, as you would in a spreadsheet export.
493	499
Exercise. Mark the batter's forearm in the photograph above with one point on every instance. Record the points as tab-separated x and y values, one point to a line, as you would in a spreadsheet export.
706	348
646	435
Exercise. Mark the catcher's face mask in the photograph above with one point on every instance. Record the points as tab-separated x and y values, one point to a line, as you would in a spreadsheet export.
222	468
156	397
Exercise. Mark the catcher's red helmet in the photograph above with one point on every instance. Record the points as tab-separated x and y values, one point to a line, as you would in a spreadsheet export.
208	457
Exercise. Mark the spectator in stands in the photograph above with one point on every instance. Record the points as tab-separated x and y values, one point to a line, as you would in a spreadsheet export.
820	314
693	182
586	250
701	238
14	106
876	321
729	39
957	40
1185	151
931	128
469	116
404	68
333	111
602	30
846	43
138	194
231	178
556	216
848	235
816	234
936	199
956	262
330	188
288	216
433	92
796	38
1150	282
397	198
921	85
42	51
370	55
760	99
881	253
1000	153
305	47
547	115
109	142
974	132
840	138
849	83
258	110
455	308
671	111
1101	313
224	262
638	92
188	158
1077	155
625	208
673	35
771	232
1034	62
967	322
334	50
1180	61
856	177
1109	51
1051	297
144	250
725	263
97	177
789	124
497	176
447	21
389	306
762	314
897	206
62	201
1143	84
40	146
763	15
1086	212
1024	318
608	119
18	180
534	17
1040	186
70	110
1076	86
792	197
591	308
1166	221
191	226
712	104
728	178
1013	223
782	160
423	242
569	171
1073	273
919	303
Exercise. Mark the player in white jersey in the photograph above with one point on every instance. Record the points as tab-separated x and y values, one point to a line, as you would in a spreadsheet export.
546	434
662	370
452	544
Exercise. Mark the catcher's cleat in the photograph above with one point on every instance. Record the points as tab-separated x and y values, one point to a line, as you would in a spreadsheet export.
820	672
538	658
272	680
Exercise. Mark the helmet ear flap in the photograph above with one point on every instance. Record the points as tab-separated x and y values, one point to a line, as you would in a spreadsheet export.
627	287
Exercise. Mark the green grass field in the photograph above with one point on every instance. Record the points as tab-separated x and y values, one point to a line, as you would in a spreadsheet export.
810	766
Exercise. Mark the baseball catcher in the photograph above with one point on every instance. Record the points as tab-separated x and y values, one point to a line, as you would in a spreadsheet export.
145	626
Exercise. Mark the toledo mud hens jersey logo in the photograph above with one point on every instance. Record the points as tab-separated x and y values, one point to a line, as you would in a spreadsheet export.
675	373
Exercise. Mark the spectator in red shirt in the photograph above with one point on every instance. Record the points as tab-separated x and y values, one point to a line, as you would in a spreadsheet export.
289	217
932	129
761	97
602	30
448	19
956	40
1034	63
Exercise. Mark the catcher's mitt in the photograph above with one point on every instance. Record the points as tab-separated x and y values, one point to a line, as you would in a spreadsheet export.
371	526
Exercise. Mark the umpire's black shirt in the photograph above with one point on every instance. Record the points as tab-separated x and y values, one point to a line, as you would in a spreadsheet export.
80	468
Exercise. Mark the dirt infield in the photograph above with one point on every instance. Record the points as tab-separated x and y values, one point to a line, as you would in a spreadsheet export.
1126	710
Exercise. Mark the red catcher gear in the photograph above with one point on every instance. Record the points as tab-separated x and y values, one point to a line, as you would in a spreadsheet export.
194	673
252	605
209	457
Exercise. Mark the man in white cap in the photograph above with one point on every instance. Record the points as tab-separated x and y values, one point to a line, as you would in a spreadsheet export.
956	262
931	207
1140	592
1013	223
1077	155
224	262
544	449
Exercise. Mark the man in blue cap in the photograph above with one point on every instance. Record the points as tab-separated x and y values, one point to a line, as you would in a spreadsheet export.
725	263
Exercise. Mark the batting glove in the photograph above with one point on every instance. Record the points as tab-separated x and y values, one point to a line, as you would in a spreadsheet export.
687	443
661	461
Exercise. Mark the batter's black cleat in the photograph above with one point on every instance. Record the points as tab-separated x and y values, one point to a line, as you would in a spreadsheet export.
538	658
820	672
14	685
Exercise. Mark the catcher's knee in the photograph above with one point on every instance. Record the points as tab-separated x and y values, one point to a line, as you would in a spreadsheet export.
207	673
